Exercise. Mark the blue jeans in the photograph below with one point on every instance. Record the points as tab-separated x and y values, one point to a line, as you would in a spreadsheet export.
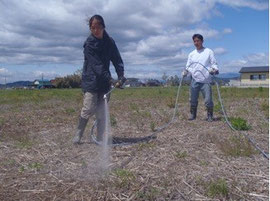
206	90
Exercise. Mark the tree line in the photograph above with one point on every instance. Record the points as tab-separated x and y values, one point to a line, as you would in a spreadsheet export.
75	80
69	81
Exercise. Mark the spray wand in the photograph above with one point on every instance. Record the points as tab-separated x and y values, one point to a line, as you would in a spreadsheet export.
118	84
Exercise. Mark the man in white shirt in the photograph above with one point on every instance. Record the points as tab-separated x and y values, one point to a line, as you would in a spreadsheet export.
201	65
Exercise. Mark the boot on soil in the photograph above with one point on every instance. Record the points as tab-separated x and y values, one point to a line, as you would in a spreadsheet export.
193	112
210	117
80	130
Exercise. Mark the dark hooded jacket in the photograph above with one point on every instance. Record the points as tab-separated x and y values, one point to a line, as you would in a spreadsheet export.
98	53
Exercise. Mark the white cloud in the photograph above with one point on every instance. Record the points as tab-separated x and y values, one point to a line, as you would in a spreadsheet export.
54	31
150	33
227	31
3	71
165	49
4	75
220	50
257	5
251	60
45	74
153	75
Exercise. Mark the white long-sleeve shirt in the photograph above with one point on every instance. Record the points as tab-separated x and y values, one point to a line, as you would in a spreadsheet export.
199	64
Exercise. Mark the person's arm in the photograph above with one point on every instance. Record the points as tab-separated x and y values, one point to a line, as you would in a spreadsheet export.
188	62
95	63
186	71
213	63
117	61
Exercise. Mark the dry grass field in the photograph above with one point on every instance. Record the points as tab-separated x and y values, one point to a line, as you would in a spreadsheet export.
194	160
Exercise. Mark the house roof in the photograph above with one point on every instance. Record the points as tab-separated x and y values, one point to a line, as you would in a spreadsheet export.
44	82
257	69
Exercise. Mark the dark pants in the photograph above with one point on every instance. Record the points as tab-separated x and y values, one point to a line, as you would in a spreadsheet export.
206	90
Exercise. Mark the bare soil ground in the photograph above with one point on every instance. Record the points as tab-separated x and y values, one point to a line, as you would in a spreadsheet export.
195	160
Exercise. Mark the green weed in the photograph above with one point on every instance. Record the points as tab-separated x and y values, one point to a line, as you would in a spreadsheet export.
113	120
217	108
21	169
145	114
150	194
153	126
2	121
24	143
236	147
239	124
204	163
35	166
171	103
146	146
125	177
134	107
265	106
70	111
181	154
217	188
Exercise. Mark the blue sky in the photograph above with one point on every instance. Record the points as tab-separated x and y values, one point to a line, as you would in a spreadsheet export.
154	37
250	31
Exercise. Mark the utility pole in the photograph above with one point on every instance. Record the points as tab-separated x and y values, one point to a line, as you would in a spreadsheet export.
5	82
42	80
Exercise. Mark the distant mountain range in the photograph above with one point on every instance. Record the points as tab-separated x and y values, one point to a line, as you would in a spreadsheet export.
229	75
222	76
17	84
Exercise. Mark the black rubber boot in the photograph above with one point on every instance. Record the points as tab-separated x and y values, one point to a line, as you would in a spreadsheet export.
80	130
210	114
193	112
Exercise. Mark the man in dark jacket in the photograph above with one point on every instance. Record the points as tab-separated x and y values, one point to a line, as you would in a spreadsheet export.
99	50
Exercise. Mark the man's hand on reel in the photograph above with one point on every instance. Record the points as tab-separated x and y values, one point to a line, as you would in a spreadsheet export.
184	73
214	71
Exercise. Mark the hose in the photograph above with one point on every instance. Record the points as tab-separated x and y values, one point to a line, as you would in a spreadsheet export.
159	129
142	139
250	139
